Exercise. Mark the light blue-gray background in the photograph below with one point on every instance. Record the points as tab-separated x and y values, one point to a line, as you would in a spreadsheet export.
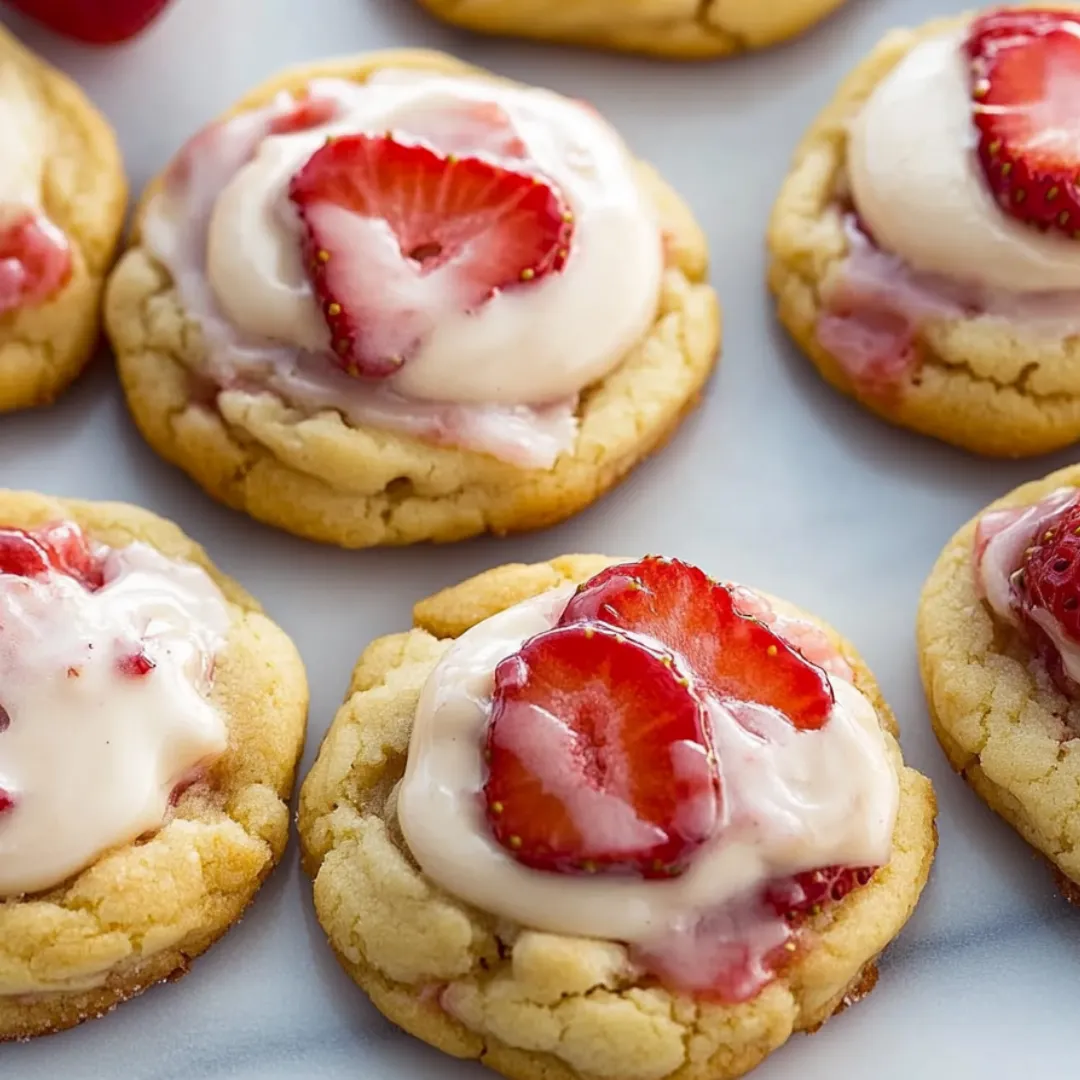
776	481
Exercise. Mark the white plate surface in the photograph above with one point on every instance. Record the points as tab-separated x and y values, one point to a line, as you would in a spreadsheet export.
775	481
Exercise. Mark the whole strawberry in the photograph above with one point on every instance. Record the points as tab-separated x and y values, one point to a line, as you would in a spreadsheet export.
1025	65
97	22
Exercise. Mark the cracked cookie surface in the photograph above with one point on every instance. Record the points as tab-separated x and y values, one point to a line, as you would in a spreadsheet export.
142	912
322	478
84	192
1003	726
677	29
531	1005
978	383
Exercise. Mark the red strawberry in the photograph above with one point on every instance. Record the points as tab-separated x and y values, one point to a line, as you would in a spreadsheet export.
1048	583
60	547
1025	65
309	112
807	893
135	665
732	654
599	757
399	235
70	553
35	262
98	22
21	555
7	801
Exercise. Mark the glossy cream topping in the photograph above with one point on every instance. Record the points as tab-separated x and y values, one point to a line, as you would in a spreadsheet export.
525	346
793	801
89	755
917	182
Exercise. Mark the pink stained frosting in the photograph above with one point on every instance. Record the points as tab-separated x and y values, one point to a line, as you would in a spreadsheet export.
179	231
528	436
876	306
795	801
35	260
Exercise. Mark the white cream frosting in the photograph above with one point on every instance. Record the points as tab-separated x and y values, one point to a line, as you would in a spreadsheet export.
527	345
917	182
22	160
91	756
793	801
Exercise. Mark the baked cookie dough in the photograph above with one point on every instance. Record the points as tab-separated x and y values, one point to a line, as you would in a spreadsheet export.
65	159
980	383
323	478
531	1004
142	912
677	29
1003	724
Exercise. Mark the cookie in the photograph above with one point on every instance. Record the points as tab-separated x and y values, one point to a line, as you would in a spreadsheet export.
683	30
171	753
62	199
994	649
529	1001
317	471
911	278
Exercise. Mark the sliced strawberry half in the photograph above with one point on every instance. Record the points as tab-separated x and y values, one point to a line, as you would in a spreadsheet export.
599	757
398	235
61	547
35	262
1025	70
808	893
732	654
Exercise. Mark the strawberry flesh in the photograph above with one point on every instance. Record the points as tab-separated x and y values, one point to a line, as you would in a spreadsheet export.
1048	583
808	893
7	801
599	757
70	553
61	547
1025	74
398	235
35	262
735	656
96	22
135	665
309	112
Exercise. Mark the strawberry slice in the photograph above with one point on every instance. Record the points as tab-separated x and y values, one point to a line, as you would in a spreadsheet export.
1025	67
61	547
808	893
1046	592
35	261
732	654
599	757
21	555
309	112
398	236
69	552
97	22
